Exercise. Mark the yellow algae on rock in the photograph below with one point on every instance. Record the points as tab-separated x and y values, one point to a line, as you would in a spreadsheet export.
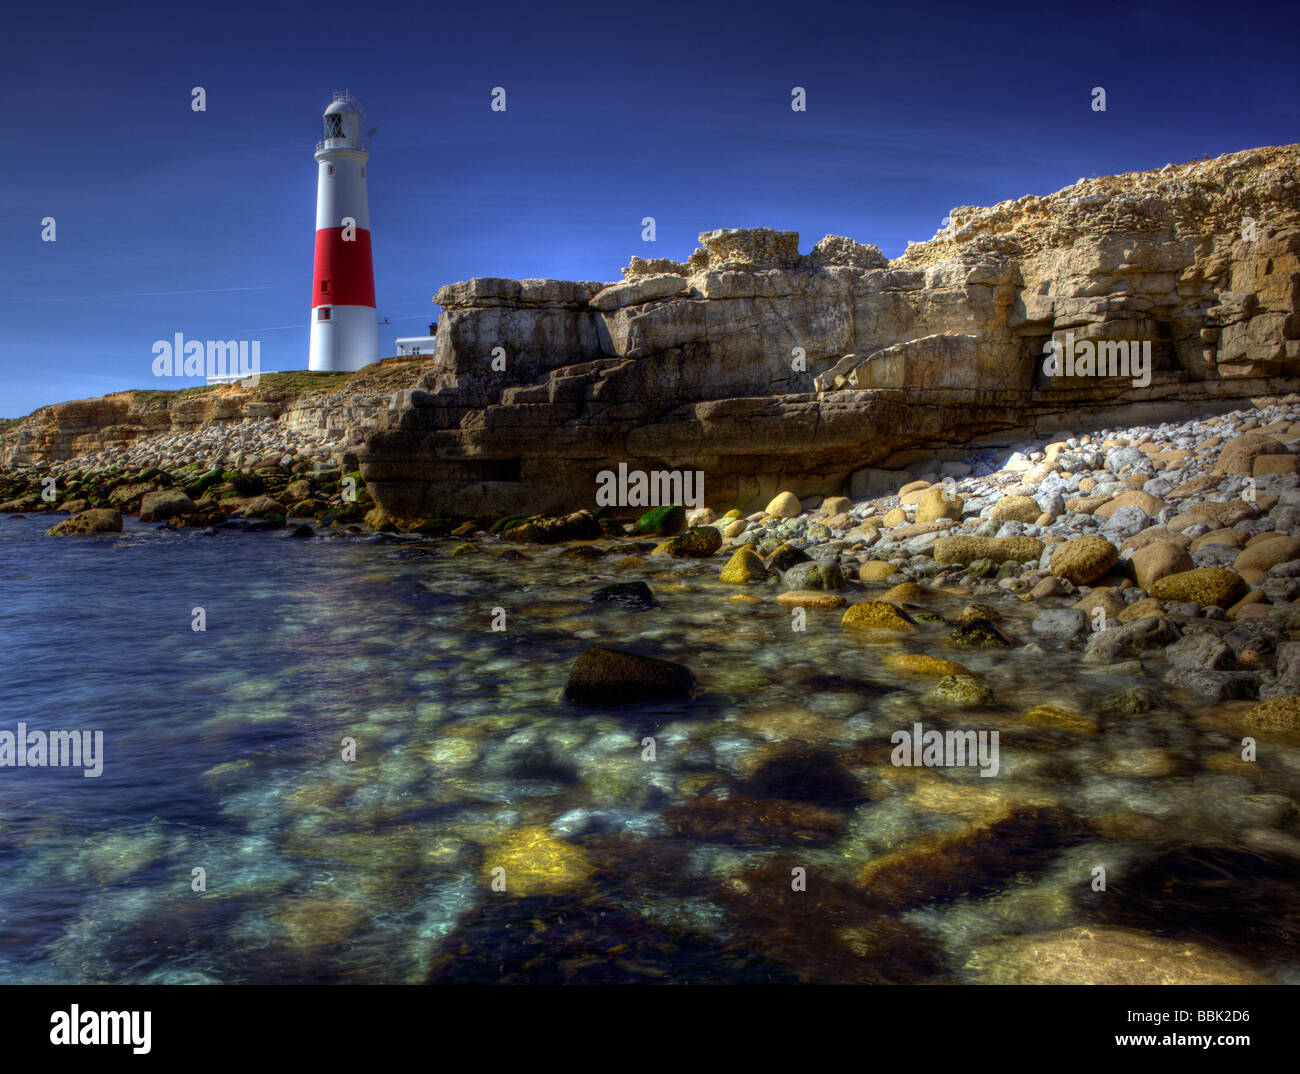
1280	713
930	667
743	567
877	615
1204	585
1055	718
1081	560
970	800
1015	509
536	862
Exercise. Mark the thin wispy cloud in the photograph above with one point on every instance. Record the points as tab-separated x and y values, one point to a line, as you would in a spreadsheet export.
138	294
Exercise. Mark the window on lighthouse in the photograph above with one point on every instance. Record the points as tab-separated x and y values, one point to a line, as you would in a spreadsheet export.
333	126
323	314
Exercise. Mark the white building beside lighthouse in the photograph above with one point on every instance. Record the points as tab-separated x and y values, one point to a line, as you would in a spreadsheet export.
344	329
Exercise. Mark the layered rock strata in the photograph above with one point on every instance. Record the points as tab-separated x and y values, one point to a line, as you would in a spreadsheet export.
767	369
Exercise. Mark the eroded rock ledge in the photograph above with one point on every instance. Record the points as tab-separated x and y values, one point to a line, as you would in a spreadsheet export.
768	369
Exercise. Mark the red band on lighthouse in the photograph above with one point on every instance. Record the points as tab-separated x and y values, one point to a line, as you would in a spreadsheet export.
344	273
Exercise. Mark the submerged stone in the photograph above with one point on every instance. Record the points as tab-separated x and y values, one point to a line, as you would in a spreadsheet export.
536	862
633	594
612	676
1106	956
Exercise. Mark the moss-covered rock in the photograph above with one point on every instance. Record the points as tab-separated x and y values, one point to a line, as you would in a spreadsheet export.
1056	718
743	567
981	634
923	666
965	550
1280	713
1081	560
96	520
785	557
698	542
939	503
1132	702
536	862
818	574
964	690
663	521
1015	509
579	526
877	615
1205	585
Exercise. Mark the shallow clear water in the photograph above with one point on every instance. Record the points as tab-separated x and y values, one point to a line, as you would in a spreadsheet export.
223	753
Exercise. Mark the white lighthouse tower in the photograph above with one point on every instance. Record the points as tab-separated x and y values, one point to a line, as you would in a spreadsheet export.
344	330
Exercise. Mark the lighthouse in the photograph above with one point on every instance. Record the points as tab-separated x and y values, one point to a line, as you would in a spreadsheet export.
344	330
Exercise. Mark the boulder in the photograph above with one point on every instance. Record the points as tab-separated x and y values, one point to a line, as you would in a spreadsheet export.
160	506
1266	554
814	575
263	507
96	520
879	615
965	550
615	677
1106	956
743	567
1238	455
1204	586
939	503
1158	559
663	521
1015	509
1081	560
784	505
1130	639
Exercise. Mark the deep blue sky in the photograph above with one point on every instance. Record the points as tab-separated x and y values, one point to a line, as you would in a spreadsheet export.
202	223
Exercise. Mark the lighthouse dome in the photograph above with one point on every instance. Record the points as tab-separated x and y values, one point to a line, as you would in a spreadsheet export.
342	120
343	106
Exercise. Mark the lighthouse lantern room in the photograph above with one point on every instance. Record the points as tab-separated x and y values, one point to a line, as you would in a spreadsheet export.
344	330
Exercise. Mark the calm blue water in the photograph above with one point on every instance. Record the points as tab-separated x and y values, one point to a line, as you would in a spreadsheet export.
222	753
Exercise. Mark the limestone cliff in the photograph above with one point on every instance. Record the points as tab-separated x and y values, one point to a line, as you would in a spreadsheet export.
769	369
332	412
